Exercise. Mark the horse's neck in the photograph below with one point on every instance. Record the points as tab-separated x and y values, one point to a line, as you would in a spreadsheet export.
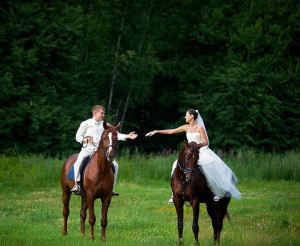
181	156
102	162
178	172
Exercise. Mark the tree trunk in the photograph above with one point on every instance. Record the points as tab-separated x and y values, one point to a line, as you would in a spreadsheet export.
114	77
133	74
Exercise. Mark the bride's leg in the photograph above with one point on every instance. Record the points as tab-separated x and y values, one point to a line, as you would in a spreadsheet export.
173	168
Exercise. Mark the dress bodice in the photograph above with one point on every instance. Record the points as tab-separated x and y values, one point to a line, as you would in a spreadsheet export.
194	137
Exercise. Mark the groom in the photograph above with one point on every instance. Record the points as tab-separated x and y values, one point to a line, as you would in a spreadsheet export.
89	134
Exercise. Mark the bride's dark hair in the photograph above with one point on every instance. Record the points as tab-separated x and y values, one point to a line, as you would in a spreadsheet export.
193	112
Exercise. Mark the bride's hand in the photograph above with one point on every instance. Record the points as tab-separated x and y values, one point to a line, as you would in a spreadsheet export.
149	134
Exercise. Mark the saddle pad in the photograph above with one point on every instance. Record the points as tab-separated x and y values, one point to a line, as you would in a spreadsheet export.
71	173
82	168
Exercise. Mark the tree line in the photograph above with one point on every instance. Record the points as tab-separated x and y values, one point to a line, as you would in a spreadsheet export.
147	62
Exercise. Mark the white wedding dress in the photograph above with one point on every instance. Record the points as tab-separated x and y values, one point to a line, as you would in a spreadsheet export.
219	177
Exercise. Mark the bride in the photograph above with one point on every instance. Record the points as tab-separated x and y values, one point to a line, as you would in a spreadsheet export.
219	177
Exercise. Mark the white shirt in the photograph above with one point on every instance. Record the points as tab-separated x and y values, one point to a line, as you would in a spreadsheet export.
92	128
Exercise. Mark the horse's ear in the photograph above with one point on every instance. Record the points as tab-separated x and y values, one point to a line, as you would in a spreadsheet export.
105	125
186	143
117	126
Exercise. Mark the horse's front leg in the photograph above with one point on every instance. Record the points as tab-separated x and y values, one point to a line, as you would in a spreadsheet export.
195	226
92	218
83	214
66	210
105	205
179	209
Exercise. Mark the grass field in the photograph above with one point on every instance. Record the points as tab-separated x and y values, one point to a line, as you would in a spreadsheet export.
268	214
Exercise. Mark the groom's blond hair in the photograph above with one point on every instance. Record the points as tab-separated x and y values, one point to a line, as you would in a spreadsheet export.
97	108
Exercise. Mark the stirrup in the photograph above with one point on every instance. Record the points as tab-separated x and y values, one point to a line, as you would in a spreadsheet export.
76	189
216	198
114	193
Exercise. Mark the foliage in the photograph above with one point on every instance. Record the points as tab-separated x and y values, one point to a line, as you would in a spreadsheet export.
237	62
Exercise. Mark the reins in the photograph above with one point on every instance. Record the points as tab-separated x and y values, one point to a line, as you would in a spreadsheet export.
182	185
84	146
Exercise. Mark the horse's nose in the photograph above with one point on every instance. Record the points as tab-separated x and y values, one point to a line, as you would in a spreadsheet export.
110	156
188	178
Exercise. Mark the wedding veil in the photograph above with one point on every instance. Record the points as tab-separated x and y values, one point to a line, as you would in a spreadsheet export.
200	122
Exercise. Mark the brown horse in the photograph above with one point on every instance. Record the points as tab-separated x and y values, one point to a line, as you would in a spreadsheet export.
189	185
97	182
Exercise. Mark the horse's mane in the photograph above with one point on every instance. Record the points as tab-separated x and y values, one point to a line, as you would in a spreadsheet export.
181	153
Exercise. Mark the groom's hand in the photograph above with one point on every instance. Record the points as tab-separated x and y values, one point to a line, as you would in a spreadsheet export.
132	135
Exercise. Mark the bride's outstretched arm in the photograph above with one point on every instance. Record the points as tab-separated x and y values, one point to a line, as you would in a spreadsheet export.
167	131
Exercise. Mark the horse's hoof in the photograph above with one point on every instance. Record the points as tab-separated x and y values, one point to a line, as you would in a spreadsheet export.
216	242
65	233
91	238
180	241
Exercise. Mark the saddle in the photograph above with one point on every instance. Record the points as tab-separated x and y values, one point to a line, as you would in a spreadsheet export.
82	168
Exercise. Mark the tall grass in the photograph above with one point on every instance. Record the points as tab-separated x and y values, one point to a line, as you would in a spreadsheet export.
249	165
28	171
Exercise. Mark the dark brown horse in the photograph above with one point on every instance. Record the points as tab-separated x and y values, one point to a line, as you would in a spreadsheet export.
97	182
189	185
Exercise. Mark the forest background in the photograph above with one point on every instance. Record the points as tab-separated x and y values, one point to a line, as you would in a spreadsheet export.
147	62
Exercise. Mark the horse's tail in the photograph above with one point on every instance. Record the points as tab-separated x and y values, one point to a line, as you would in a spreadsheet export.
227	216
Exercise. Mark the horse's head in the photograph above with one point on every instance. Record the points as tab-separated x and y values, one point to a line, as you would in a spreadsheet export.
190	161
109	141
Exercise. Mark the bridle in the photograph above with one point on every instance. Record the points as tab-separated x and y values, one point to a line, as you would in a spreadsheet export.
188	154
104	149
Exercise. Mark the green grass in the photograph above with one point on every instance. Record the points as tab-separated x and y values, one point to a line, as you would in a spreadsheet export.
268	214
